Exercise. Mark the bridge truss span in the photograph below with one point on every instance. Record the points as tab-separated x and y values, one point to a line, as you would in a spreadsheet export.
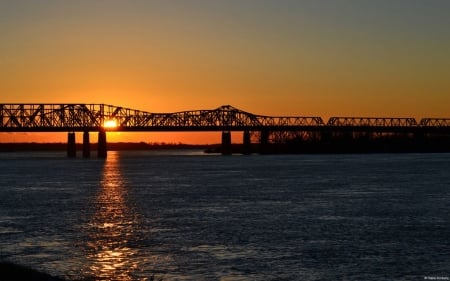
263	129
435	122
222	118
372	122
60	117
91	117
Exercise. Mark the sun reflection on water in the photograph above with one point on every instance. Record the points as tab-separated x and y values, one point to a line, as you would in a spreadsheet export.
113	229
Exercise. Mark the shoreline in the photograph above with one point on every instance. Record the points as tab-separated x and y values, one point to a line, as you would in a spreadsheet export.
10	271
357	147
59	146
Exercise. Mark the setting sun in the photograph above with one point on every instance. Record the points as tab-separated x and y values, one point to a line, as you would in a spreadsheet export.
110	124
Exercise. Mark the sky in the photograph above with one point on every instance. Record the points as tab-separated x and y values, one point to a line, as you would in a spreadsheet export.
280	57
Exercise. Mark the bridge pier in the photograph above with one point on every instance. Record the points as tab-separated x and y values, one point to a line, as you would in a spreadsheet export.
420	141
264	142
71	145
86	145
226	143
101	145
247	145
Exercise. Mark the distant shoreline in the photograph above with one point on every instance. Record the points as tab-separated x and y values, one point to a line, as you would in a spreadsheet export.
34	146
339	147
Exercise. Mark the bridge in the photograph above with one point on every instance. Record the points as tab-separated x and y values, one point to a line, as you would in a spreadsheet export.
103	118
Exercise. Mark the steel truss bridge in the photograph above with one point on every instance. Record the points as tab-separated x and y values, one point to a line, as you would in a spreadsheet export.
265	129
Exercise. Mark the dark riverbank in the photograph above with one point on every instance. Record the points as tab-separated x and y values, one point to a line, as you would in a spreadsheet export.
34	146
353	146
14	272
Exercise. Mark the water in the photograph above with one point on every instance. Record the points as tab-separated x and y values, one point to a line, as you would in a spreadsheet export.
187	216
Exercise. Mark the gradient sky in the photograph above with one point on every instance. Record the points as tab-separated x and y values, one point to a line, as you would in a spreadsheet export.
321	58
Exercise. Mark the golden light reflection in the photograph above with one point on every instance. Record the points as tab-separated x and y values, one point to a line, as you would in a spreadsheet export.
113	228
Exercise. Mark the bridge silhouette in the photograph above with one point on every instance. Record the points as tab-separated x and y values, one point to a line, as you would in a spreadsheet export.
264	130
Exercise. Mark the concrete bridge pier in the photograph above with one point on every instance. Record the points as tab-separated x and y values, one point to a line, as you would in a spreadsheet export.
247	145
420	140
226	143
86	145
264	142
71	145
326	137
101	145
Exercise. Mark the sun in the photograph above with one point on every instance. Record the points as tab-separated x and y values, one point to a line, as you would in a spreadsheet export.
110	124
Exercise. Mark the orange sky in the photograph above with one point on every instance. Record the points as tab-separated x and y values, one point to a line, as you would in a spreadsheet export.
321	58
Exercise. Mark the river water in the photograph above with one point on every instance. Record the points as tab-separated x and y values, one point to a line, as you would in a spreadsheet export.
185	215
